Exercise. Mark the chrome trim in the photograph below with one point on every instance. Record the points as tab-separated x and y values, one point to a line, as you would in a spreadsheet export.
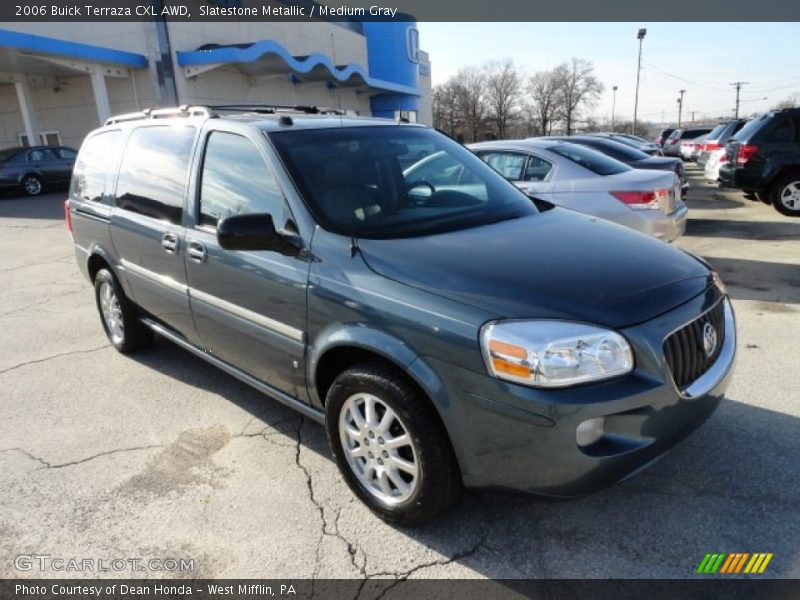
717	371
248	315
154	277
230	308
262	387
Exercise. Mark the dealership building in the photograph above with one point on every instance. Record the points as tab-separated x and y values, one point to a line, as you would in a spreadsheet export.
58	81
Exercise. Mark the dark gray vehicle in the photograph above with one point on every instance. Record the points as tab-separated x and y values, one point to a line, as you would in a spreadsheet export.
32	169
445	331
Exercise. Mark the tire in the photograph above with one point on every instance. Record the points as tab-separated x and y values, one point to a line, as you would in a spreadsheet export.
786	195
429	481
119	316
32	185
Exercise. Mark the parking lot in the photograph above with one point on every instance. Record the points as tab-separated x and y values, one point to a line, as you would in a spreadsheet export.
159	455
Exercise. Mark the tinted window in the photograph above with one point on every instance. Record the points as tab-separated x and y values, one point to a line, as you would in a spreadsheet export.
236	181
41	155
152	176
9	153
595	161
715	133
690	134
354	184
752	126
781	132
66	153
95	165
615	150
508	164
537	169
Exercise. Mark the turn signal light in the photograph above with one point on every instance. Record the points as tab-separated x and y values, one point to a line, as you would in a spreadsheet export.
509	359
745	153
67	216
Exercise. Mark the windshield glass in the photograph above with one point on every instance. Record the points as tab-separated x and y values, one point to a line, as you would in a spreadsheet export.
614	149
392	182
595	161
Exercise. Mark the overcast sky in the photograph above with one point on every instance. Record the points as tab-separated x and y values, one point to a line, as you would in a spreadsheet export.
702	58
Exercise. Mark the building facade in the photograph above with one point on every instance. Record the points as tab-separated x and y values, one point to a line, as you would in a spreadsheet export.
59	81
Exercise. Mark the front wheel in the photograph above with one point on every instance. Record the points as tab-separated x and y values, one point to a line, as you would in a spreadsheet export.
32	185
119	316
390	445
786	196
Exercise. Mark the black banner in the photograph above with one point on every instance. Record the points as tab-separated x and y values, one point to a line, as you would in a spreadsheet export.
398	10
428	589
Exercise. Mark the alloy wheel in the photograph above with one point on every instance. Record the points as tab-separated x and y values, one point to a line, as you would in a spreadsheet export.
378	448
790	195
32	186
112	313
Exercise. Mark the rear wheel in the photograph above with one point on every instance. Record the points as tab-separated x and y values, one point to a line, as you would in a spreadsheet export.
390	445
119	316
32	185
786	196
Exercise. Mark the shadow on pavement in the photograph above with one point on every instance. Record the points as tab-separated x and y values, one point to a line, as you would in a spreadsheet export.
759	280
47	206
731	486
743	230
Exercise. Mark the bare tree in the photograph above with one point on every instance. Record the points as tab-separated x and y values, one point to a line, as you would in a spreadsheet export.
470	100
503	85
543	107
445	112
792	101
577	88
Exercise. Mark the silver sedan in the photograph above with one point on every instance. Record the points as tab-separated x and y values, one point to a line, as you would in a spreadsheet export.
587	181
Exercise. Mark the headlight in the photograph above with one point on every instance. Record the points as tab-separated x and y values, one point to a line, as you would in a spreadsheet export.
553	353
718	282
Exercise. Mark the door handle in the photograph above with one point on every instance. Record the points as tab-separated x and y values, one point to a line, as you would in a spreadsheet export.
169	242
196	252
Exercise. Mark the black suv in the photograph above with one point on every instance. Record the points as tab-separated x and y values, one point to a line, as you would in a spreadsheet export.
764	158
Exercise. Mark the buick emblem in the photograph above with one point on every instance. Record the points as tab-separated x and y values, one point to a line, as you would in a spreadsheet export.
709	339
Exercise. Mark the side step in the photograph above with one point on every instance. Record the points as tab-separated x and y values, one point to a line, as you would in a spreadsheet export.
304	409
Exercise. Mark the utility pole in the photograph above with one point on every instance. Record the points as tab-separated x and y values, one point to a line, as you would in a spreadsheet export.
738	85
680	107
640	37
694	111
613	105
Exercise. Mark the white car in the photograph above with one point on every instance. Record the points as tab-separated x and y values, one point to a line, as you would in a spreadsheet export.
715	160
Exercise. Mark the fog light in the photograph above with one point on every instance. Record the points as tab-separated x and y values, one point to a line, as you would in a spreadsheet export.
590	431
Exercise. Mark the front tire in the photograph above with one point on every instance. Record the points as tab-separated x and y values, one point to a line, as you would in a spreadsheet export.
786	196
118	315
32	185
390	445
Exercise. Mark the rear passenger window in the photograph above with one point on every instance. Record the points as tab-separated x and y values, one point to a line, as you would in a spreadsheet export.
236	181
508	164
95	165
781	132
152	176
537	170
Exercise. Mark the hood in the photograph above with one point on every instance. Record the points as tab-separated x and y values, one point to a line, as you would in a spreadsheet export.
557	264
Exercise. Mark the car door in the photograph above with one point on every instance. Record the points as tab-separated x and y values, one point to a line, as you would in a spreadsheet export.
44	162
146	223
249	306
66	162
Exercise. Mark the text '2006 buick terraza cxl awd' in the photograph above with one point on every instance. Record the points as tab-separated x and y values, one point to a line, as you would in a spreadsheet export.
446	331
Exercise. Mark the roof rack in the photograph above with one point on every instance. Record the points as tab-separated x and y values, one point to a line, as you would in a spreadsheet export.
185	110
271	109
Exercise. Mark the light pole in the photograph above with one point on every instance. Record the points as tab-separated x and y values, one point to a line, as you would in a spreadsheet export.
613	105
680	107
640	37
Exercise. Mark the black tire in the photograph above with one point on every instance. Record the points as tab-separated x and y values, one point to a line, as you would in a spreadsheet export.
438	485
134	335
32	185
787	185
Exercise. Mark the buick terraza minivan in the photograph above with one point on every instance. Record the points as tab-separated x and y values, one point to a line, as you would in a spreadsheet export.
446	331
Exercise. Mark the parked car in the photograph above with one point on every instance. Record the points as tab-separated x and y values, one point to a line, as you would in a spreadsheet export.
690	149
662	136
582	179
33	169
672	147
764	158
715	160
634	141
717	138
631	156
446	333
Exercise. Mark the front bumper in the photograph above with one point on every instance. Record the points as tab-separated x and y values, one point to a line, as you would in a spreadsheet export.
521	438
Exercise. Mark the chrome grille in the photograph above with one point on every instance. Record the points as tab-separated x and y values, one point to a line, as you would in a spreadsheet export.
684	349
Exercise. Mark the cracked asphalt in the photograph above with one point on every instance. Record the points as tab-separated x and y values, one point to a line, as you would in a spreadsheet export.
158	455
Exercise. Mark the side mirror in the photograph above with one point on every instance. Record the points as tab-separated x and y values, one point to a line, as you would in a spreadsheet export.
256	231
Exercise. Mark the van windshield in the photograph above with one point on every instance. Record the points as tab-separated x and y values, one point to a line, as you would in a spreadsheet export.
395	181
